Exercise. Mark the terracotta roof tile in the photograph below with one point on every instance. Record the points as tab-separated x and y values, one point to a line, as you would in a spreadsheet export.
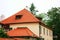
21	32
12	39
26	17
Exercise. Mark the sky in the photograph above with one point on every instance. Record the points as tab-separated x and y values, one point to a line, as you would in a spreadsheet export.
10	7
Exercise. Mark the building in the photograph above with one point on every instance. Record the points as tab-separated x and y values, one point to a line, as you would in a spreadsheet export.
24	18
23	33
1	25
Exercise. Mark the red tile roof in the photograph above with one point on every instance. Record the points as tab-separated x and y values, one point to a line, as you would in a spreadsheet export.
12	39
21	32
26	17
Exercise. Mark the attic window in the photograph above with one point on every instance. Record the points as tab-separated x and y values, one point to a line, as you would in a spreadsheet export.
18	16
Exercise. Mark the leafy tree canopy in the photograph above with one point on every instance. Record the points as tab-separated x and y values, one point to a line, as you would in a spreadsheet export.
2	33
32	9
53	16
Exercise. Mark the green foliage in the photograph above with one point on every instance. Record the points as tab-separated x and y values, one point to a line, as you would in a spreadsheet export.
32	9
52	20
54	15
2	33
42	15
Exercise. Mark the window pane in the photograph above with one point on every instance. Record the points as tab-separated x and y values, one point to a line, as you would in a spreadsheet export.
47	32
39	29
44	30
18	16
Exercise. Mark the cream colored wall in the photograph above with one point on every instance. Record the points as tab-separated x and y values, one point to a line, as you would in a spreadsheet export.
45	36
34	27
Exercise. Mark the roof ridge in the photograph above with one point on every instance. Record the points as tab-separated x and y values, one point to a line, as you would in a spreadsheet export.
27	31
26	14
11	16
33	15
32	33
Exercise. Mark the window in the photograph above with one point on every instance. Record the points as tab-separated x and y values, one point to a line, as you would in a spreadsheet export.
39	29
50	33
18	16
47	32
43	30
41	38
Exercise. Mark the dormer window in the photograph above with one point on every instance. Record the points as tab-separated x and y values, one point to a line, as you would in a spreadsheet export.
18	16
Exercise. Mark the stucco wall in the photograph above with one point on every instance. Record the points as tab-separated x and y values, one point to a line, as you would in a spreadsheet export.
34	27
46	36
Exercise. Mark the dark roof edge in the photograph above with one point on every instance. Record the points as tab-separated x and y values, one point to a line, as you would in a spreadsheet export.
45	25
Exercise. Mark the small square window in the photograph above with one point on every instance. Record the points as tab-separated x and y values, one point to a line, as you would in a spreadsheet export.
18	16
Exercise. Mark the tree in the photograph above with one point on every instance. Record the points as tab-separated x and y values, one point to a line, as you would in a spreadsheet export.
44	17
2	33
54	21
32	9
